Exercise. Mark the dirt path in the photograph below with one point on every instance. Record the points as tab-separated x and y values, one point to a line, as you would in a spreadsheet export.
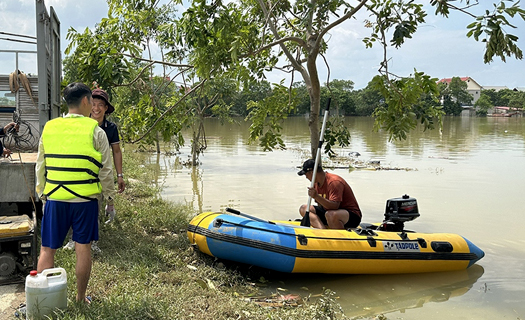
11	296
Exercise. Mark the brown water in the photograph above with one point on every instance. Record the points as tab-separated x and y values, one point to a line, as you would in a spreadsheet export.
468	180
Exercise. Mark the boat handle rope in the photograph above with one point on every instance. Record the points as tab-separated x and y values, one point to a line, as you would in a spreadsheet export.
218	222
193	238
303	239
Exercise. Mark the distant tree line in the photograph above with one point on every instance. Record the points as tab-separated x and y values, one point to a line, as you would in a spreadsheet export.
491	98
345	100
362	102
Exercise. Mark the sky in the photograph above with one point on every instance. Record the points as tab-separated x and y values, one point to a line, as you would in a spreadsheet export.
439	48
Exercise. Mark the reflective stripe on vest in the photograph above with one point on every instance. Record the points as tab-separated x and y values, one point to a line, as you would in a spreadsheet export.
72	163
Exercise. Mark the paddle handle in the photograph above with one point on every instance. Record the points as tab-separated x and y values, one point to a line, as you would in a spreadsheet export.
237	212
306	219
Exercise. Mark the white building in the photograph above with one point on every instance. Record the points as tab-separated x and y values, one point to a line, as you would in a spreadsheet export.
473	87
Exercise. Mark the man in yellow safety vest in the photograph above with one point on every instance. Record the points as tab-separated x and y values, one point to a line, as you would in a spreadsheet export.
73	168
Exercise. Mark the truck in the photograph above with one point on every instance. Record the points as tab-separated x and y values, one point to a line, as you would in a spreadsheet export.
30	100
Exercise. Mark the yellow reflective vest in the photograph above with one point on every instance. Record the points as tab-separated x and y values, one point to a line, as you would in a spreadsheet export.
71	161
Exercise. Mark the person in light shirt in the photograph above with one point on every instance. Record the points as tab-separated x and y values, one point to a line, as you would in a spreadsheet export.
73	167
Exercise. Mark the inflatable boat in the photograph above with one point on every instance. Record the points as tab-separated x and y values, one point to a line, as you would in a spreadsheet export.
382	248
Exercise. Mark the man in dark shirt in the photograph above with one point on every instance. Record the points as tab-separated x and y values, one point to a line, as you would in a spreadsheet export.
101	108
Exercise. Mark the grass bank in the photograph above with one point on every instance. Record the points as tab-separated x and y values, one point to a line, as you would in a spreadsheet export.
148	270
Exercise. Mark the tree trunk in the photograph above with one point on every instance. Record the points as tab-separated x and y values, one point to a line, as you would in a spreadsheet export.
313	121
314	91
194	148
157	143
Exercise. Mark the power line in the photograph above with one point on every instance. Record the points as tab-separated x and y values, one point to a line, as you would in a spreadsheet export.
17	35
16	40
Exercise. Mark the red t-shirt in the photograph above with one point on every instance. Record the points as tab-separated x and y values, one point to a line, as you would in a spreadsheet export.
337	189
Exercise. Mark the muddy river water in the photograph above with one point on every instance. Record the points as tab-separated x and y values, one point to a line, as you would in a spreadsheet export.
469	179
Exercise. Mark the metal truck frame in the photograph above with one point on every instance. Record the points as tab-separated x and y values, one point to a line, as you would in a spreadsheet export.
20	207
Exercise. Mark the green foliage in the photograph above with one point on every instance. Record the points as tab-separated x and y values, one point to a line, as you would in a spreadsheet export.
403	16
214	35
151	106
495	97
458	90
491	28
507	98
406	104
106	56
266	116
6	102
94	55
517	99
327	307
454	95
483	105
336	133
341	93
367	100
142	105
297	28
303	98
212	98
450	107
239	38
253	91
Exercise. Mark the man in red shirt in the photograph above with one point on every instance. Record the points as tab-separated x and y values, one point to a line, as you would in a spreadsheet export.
337	207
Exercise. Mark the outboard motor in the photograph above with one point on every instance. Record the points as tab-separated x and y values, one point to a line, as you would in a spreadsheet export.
398	211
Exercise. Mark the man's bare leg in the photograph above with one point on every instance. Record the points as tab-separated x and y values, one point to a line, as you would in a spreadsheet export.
46	259
337	218
83	269
314	219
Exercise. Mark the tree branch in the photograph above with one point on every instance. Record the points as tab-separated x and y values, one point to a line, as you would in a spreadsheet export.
169	109
266	23
339	21
171	80
136	78
157	61
289	23
294	62
297	40
383	69
328	75
462	9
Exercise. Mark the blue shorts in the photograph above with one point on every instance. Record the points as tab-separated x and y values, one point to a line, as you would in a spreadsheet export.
59	216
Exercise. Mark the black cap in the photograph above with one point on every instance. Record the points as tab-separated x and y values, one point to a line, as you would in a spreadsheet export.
308	165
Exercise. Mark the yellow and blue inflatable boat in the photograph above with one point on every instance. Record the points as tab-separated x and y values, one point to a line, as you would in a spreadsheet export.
370	249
